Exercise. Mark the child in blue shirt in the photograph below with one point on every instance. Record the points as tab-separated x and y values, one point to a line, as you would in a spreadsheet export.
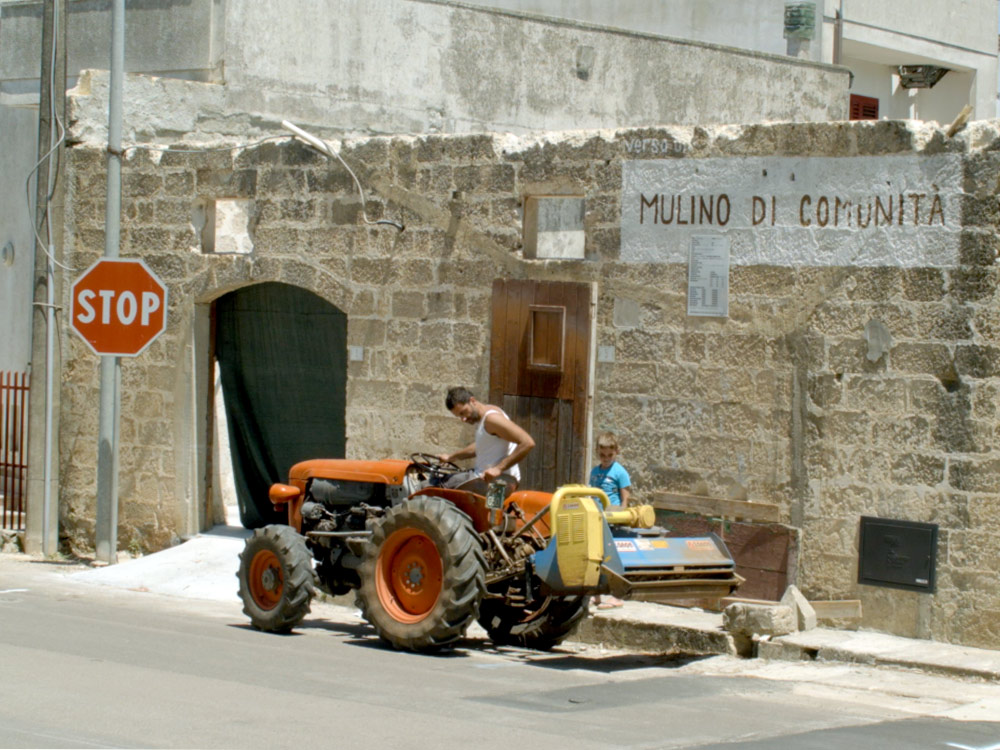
611	477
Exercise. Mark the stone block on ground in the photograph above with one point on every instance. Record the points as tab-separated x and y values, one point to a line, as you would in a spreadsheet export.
742	618
805	615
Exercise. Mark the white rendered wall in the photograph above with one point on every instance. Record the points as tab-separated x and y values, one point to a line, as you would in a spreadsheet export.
425	66
17	156
748	24
179	38
970	24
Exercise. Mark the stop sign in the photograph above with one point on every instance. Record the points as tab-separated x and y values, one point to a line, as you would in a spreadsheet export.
118	307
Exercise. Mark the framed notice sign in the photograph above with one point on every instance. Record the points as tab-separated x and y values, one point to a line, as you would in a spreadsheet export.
708	276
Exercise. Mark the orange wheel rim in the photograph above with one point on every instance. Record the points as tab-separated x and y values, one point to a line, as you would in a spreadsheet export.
408	575
266	579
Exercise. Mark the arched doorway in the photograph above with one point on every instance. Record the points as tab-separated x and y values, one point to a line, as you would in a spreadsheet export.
282	355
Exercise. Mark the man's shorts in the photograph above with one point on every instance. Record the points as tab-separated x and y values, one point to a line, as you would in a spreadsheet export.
470	481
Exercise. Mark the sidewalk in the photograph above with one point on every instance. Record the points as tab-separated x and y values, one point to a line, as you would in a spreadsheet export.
657	627
205	568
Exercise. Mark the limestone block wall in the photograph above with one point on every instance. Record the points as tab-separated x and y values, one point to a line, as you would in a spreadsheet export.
854	374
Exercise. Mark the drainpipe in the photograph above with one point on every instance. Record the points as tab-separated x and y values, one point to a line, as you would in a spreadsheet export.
838	35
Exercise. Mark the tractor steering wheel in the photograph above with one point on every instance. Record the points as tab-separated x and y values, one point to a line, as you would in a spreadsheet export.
434	466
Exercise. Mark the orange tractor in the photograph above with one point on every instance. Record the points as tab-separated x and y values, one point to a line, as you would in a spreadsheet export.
427	561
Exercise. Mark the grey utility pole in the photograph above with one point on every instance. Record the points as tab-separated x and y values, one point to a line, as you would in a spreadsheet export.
107	444
42	525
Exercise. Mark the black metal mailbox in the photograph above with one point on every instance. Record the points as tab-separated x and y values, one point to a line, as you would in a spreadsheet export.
898	554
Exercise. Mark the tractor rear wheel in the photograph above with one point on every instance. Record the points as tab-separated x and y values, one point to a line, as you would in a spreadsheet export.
276	578
542	626
422	575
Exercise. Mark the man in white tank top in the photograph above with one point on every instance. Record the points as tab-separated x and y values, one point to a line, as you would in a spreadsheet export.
498	448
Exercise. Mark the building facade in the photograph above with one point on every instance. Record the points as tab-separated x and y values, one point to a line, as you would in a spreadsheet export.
845	368
796	314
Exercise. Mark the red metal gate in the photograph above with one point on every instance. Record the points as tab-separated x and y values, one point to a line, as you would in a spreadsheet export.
13	449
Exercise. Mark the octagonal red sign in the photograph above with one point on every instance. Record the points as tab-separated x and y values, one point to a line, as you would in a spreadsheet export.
118	306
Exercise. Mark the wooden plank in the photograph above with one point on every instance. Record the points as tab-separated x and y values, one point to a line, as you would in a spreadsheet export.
727	600
510	341
532	473
567	472
498	326
524	295
561	294
840	609
577	337
578	332
550	428
716	507
527	380
554	385
536	428
547	384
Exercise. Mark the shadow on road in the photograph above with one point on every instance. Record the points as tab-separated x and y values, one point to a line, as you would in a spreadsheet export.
562	658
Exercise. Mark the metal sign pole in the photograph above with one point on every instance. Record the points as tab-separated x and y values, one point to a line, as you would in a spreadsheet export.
107	444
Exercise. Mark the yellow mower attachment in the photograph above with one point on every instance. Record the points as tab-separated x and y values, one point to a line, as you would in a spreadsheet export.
636	561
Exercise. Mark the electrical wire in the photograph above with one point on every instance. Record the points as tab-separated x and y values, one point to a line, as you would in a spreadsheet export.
324	148
48	199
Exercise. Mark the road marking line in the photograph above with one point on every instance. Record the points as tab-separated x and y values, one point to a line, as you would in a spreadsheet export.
13	591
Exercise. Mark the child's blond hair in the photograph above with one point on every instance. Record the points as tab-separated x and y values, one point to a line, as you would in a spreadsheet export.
608	440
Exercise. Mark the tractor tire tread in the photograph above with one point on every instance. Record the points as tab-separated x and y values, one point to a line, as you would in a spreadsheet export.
544	632
297	590
463	580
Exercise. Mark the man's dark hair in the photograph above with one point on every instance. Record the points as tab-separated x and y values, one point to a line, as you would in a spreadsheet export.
457	395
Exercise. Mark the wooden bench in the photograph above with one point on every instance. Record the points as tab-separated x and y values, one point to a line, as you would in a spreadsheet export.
716	507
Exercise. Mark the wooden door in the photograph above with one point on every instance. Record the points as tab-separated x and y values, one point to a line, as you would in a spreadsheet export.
539	373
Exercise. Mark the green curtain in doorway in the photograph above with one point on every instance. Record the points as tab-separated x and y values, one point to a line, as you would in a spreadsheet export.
282	356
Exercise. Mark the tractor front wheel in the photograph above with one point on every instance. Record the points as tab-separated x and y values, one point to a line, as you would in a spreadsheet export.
422	575
276	578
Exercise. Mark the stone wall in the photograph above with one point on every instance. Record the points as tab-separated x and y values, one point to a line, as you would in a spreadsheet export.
840	384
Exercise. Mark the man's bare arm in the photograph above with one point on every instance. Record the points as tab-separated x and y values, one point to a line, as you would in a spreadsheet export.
468	451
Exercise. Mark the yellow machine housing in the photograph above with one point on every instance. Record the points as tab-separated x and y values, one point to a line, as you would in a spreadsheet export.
578	523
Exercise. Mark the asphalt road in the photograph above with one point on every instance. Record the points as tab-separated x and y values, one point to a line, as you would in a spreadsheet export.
86	666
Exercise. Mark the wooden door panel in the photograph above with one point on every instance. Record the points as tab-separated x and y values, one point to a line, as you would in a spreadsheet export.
550	423
550	405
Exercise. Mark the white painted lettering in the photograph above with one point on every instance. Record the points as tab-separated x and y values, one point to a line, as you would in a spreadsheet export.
936	208
686	210
106	296
127	308
801	210
150	304
84	298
